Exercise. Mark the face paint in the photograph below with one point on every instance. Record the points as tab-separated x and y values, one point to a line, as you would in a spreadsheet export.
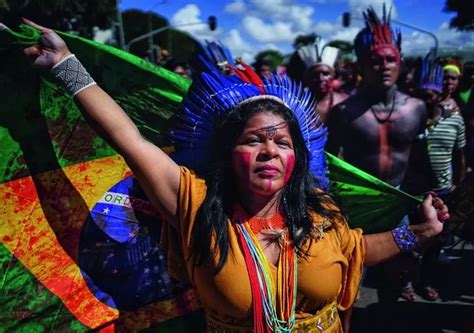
319	79
261	157
290	164
269	185
241	165
381	67
387	51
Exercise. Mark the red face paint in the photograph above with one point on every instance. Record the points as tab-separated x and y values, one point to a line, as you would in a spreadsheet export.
290	164
387	51
382	65
261	157
319	79
241	165
269	185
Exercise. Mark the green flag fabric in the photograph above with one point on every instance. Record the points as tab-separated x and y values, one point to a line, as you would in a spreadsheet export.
370	203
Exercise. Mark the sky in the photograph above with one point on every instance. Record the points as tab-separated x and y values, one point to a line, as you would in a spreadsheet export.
250	26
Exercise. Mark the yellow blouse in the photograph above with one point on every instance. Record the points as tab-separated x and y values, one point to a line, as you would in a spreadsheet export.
330	272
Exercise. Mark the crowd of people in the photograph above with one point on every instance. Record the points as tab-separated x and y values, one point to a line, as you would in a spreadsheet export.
263	249
407	122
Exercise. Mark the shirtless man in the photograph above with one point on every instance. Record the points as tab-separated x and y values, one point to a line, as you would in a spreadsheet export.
319	79
377	126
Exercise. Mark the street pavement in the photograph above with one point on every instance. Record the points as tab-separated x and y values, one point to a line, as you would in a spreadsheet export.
453	313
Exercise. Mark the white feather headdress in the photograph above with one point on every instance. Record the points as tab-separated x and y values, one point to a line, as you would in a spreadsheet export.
316	53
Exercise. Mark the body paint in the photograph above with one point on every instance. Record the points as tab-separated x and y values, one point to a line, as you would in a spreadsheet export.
385	153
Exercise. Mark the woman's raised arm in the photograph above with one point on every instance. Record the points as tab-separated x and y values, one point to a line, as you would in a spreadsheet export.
157	173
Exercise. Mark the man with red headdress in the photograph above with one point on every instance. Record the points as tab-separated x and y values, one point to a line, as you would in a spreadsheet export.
377	127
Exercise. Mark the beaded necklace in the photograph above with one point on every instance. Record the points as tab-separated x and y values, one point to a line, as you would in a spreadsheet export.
275	303
387	118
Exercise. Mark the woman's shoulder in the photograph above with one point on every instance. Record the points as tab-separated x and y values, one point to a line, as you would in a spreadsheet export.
191	185
189	175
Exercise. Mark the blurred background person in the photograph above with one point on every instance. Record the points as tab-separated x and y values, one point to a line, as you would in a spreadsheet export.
263	69
445	142
465	100
319	76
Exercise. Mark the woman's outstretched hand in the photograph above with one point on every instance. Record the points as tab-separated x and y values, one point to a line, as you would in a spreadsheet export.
432	212
50	49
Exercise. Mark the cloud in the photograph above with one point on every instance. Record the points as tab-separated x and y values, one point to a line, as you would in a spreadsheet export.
237	7
346	34
417	43
413	42
239	47
324	28
284	17
358	6
333	31
299	16
103	36
191	14
236	43
270	46
268	33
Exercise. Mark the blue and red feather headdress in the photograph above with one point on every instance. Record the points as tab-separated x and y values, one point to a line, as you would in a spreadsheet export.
377	33
213	93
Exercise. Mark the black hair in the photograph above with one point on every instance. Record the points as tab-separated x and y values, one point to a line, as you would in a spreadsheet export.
298	198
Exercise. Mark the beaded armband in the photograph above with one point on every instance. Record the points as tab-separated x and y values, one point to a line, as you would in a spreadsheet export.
406	239
72	75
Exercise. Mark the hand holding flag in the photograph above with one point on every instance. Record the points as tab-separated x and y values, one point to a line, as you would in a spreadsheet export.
49	51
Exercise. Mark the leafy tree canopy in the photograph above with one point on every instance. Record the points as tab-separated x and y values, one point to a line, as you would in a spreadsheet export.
343	46
271	58
302	40
464	9
80	16
179	44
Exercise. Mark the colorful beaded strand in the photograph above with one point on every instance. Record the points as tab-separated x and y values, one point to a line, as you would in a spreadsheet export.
286	281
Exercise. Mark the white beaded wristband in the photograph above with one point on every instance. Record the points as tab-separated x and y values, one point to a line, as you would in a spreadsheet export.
72	75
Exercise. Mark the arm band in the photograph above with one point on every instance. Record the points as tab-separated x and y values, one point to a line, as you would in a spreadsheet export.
72	75
406	239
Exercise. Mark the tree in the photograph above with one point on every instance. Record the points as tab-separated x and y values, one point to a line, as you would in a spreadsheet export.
302	40
3	5
464	20
137	23
80	16
271	58
344	46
